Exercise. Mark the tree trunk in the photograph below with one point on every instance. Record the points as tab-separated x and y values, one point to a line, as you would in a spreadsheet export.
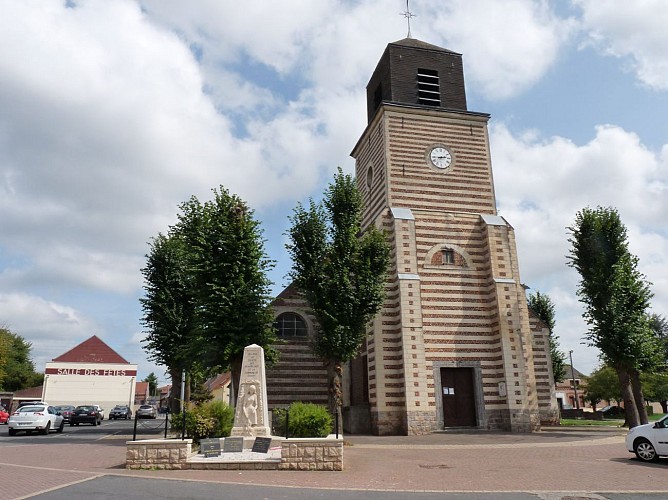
235	377
335	399
638	396
664	406
632	417
187	391
175	391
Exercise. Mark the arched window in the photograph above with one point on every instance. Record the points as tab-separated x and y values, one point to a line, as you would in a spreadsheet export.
290	325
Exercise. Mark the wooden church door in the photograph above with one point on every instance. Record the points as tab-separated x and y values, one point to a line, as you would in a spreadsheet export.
458	397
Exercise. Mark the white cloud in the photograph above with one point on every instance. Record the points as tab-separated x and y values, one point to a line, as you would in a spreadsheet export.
636	34
508	46
542	183
115	111
54	328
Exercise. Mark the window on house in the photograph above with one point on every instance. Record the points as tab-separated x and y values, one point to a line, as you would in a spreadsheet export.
448	256
429	88
291	325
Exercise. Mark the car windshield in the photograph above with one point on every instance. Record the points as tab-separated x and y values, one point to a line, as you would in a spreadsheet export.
31	409
85	408
64	408
121	408
145	407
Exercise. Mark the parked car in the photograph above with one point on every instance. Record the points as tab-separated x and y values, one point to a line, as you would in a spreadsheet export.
4	415
100	410
163	410
86	414
66	411
613	412
649	441
30	403
147	411
119	411
40	417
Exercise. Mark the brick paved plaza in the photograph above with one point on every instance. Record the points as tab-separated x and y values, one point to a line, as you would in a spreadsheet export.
578	461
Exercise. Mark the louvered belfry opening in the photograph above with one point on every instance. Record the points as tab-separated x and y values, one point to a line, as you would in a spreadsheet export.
429	88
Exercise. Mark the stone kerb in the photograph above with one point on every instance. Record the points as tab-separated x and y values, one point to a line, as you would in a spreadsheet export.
158	454
312	454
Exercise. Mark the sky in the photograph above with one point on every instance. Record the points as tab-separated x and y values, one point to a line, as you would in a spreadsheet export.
113	112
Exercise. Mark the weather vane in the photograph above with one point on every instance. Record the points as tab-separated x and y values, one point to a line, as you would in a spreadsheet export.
408	14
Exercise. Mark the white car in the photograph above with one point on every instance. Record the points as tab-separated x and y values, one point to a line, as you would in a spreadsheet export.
38	417
649	441
100	410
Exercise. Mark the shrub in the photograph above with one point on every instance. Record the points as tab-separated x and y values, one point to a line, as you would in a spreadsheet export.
208	420
305	420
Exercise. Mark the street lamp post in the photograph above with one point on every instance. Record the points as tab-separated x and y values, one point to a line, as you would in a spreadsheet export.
575	389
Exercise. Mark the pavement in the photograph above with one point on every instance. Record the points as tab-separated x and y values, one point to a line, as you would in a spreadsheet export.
573	461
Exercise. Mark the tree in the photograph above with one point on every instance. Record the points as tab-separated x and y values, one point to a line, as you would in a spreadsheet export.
658	382
602	385
616	297
169	310
229	266
152	380
17	370
341	270
655	388
207	294
659	326
542	305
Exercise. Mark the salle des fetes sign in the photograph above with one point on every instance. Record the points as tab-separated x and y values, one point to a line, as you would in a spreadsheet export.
91	372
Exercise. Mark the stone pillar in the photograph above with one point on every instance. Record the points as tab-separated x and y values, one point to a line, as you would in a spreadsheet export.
251	417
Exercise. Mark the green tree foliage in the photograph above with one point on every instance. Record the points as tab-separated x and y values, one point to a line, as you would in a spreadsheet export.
659	326
152	380
5	345
206	290
341	270
17	370
655	388
543	306
602	385
616	297
658	381
229	266
169	309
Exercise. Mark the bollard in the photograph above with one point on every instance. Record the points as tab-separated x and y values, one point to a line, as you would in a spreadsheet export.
134	432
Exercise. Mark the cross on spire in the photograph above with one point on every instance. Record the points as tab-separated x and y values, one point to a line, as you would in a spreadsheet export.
408	14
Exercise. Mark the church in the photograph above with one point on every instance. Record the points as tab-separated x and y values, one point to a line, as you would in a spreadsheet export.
455	345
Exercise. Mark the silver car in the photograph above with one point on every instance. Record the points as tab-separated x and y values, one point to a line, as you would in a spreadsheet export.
39	417
146	411
649	441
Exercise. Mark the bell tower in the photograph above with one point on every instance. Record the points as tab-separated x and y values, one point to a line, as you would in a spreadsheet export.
452	346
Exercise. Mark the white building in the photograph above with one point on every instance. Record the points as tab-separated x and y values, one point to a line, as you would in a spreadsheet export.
90	373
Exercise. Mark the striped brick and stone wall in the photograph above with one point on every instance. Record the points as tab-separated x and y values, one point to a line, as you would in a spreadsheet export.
299	375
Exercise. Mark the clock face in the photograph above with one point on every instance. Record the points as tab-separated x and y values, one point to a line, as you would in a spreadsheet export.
440	157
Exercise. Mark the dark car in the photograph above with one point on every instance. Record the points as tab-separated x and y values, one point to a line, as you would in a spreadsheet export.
613	412
118	411
147	411
66	411
86	414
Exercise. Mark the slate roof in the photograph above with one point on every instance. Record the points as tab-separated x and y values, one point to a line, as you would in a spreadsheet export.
93	350
419	44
